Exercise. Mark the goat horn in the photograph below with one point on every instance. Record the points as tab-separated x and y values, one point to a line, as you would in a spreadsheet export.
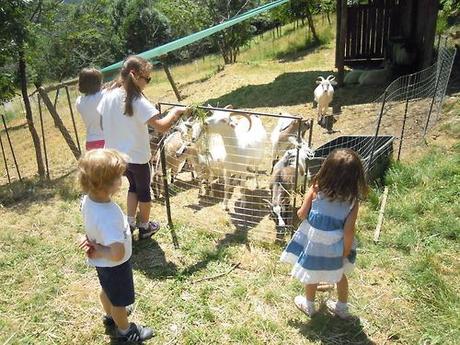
246	116
330	77
268	202
321	77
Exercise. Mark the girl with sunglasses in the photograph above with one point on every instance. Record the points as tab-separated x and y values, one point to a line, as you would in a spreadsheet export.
126	114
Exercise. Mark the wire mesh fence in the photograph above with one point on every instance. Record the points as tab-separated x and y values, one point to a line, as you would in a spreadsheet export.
219	172
410	106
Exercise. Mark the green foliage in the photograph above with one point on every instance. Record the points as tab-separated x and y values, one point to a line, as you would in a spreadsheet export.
76	38
232	39
140	26
449	13
12	31
60	38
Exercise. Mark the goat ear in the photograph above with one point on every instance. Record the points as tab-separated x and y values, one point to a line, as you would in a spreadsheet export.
333	82
318	82
228	106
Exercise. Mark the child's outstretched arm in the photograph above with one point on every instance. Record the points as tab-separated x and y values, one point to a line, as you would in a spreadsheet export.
349	229
303	211
164	124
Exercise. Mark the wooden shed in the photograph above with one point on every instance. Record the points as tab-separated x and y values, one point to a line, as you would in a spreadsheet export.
367	30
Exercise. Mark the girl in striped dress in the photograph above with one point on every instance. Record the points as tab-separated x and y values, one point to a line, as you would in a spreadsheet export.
323	249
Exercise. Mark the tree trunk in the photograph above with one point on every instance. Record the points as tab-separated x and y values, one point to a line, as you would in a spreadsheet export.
328	17
30	120
312	25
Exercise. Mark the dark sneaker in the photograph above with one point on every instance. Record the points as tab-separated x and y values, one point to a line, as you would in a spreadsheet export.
152	229
132	228
135	334
108	320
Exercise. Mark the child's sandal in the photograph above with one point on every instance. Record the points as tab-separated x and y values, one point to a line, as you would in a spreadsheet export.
301	304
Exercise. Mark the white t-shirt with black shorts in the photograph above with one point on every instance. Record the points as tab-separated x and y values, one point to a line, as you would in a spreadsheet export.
106	224
127	134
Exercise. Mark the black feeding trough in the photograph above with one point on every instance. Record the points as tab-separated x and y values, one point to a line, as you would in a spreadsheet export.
363	145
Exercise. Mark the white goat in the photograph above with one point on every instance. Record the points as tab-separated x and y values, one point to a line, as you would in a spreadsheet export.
174	145
352	77
285	128
231	147
323	94
376	76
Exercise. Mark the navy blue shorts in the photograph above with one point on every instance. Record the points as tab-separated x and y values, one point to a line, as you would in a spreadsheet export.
139	180
117	283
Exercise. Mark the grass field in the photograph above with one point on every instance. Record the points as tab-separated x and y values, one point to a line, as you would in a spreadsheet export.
405	289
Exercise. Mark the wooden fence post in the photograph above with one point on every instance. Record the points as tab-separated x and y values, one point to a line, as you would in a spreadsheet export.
57	120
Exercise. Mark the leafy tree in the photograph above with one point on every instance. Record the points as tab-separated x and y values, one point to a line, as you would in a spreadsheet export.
20	19
230	40
187	17
140	25
79	35
301	9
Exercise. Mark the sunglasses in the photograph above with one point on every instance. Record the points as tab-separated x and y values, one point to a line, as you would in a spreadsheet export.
147	79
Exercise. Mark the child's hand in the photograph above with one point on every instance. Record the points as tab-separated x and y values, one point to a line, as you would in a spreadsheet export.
91	249
85	245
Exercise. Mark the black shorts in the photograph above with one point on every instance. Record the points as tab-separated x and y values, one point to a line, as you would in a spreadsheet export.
117	283
139	180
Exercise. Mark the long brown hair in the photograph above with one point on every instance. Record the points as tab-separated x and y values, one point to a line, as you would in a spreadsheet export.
132	65
342	176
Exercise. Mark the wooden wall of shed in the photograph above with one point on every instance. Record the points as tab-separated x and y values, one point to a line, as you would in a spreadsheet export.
426	15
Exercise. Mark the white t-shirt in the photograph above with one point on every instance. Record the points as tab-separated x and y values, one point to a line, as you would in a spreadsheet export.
127	134
87	107
105	223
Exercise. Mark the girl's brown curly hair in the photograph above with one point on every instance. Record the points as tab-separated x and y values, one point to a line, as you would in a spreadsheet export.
341	176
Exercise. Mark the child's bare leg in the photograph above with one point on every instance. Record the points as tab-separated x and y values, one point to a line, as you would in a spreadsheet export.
120	316
105	303
342	289
132	204
310	291
144	211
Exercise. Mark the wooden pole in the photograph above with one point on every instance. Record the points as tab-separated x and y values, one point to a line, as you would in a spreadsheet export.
380	220
73	118
340	54
166	193
171	81
4	159
11	147
57	120
40	113
62	84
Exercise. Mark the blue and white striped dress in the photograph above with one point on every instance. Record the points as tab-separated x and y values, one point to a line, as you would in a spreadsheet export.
316	249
